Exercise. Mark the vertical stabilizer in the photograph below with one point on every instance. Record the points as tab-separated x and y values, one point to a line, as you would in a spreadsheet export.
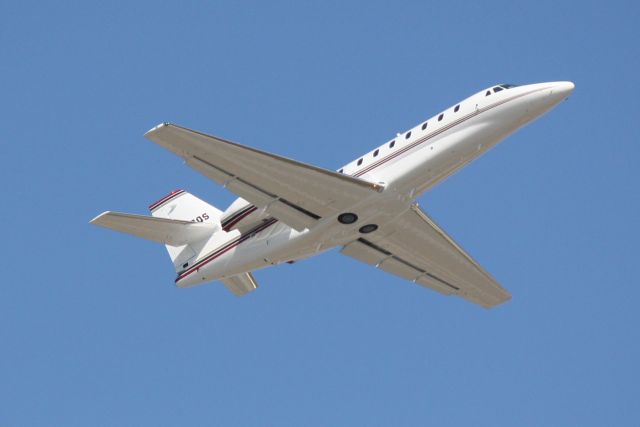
184	206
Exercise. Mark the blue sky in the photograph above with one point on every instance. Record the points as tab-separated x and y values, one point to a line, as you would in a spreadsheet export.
93	332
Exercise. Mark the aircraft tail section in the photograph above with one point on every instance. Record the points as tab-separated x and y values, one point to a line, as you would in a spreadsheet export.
168	231
182	206
186	207
181	221
241	284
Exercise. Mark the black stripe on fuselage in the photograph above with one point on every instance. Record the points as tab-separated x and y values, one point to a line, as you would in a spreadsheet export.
236	217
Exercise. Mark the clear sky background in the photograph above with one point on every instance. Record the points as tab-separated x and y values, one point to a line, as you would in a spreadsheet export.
92	329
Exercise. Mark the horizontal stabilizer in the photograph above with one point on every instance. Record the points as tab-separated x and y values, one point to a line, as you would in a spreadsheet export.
162	230
241	284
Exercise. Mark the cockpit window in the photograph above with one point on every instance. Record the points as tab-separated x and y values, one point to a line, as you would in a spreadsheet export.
488	93
508	85
497	89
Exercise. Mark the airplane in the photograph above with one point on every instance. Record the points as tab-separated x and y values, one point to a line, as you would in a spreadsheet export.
288	210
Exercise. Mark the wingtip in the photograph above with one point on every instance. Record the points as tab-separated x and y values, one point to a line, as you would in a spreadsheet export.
96	220
156	128
503	299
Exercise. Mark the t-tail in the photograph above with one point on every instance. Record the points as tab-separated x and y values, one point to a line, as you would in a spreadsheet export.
182	206
181	221
184	224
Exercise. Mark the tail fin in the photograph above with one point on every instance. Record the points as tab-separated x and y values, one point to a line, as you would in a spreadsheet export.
180	205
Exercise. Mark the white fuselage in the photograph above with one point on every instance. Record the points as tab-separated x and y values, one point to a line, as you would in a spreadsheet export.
406	167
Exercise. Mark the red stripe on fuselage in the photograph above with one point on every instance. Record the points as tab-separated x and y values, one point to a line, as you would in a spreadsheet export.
436	133
240	217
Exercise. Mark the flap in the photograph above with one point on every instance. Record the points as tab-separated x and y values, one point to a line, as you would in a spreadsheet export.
415	248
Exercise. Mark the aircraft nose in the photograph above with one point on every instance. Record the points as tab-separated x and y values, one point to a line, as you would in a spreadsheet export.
545	96
561	90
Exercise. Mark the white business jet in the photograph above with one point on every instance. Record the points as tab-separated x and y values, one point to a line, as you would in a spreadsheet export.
290	210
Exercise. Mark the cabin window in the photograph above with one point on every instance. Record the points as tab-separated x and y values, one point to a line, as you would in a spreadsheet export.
488	93
375	153
392	143
424	125
408	135
440	117
359	162
455	110
497	89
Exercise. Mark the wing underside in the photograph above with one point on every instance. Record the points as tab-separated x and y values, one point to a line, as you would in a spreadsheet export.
415	248
295	193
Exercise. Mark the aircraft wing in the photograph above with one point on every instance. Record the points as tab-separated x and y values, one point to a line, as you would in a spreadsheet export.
295	193
416	248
